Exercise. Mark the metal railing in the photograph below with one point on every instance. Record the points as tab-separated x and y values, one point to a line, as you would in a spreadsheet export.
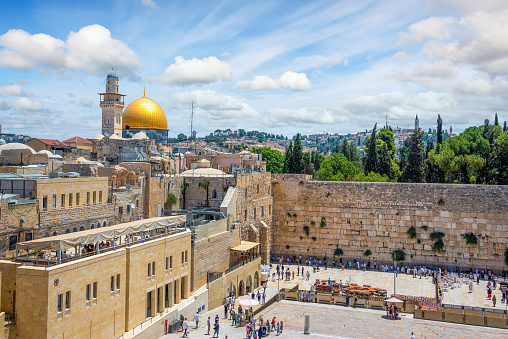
232	268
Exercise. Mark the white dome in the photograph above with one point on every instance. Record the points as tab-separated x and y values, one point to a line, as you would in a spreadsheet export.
139	136
56	156
115	137
2	142
48	153
205	172
98	137
81	159
16	148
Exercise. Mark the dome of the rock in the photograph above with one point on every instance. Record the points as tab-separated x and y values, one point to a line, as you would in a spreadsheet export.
144	113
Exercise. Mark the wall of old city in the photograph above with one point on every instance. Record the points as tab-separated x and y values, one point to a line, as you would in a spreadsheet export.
197	196
19	221
357	216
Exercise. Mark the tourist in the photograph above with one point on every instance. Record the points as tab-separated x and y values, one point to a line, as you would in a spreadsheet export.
264	297
281	326
226	309
494	301
412	335
181	322
489	293
273	323
185	326
216	328
196	319
216	318
208	323
308	275
355	298
247	329
293	275
310	296
234	319
259	296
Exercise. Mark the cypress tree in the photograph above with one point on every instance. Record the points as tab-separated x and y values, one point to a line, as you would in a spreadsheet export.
372	161
297	156
337	148
430	146
343	147
505	128
414	170
439	129
496	120
288	157
385	163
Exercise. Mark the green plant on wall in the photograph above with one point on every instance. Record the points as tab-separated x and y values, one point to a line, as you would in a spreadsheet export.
438	246
398	255
440	202
289	214
323	222
171	200
306	230
434	236
301	237
338	252
470	239
294	215
287	247
367	253
425	227
313	223
411	232
314	238
419	241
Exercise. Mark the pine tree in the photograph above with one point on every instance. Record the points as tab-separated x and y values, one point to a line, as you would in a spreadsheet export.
372	161
385	163
288	158
414	170
430	146
505	128
343	147
496	121
439	130
297	156
337	148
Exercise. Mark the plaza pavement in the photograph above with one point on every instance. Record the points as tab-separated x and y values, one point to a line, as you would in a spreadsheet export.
330	321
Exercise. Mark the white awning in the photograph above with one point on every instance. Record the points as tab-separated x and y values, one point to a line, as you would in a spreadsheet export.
63	241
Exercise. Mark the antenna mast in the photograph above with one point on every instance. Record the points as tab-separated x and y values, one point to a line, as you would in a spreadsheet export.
191	122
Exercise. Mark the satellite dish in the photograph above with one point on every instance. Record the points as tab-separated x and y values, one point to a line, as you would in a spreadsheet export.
128	186
133	205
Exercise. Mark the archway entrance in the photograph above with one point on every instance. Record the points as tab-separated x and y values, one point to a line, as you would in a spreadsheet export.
248	285
241	288
256	280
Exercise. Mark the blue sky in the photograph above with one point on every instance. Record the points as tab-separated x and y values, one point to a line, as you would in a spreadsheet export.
276	66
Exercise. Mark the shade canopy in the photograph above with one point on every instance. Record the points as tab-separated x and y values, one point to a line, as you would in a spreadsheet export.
245	246
393	300
63	241
249	302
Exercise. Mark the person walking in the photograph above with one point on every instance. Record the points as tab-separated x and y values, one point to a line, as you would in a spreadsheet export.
185	326
259	296
355	298
412	335
216	328
208	323
273	324
234	319
226	310
196	319
494	301
308	275
264	297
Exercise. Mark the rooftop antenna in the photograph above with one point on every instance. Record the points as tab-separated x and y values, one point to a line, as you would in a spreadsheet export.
191	122
386	121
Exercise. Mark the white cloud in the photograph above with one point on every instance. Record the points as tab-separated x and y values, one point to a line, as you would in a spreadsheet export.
13	90
26	104
216	107
431	28
3	105
195	71
86	102
316	61
291	80
149	3
91	49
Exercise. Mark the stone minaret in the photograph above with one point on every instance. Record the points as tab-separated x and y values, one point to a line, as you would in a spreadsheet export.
112	104
417	122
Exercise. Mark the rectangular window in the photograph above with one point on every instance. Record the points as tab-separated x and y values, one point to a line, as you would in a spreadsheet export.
186	255
88	198
118	281
67	300
100	196
59	303
182	257
112	283
262	211
62	203
153	268
245	214
94	291
87	292
28	236
13	239
70	199
54	200
171	261
254	213
167	263
45	202
120	209
128	208
149	270
77	199
94	196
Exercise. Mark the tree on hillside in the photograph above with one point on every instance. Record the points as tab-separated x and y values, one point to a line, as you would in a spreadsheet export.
439	130
505	127
414	170
274	159
336	168
385	161
371	163
308	166
287	158
386	135
496	120
296	161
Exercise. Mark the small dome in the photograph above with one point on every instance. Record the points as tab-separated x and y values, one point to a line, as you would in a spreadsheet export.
115	137
56	156
205	172
98	137
15	148
112	75
2	142
140	136
48	153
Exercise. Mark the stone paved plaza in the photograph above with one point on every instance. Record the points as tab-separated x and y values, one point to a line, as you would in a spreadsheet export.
329	321
405	284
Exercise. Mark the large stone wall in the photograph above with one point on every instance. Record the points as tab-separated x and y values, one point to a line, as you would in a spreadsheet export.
361	216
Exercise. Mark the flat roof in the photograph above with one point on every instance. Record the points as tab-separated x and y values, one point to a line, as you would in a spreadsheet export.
245	246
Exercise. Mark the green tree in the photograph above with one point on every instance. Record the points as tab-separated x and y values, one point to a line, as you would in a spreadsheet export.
386	135
496	120
505	127
296	162
274	159
371	177
288	157
181	137
371	163
439	129
415	169
385	161
336	167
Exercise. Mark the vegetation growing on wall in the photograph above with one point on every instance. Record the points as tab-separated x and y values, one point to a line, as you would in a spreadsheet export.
438	246
323	222
367	253
425	228
411	232
398	255
314	238
470	239
313	223
434	236
306	230
506	257
339	252
171	200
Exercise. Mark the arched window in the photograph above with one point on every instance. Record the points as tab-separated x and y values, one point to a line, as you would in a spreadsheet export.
81	228
54	233
46	235
92	226
67	231
104	224
74	229
98	225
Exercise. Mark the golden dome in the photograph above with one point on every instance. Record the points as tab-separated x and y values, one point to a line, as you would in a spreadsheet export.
144	113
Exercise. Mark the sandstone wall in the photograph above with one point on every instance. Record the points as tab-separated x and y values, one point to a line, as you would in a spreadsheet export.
356	217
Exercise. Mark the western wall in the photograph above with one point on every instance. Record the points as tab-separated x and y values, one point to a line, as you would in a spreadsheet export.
313	218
